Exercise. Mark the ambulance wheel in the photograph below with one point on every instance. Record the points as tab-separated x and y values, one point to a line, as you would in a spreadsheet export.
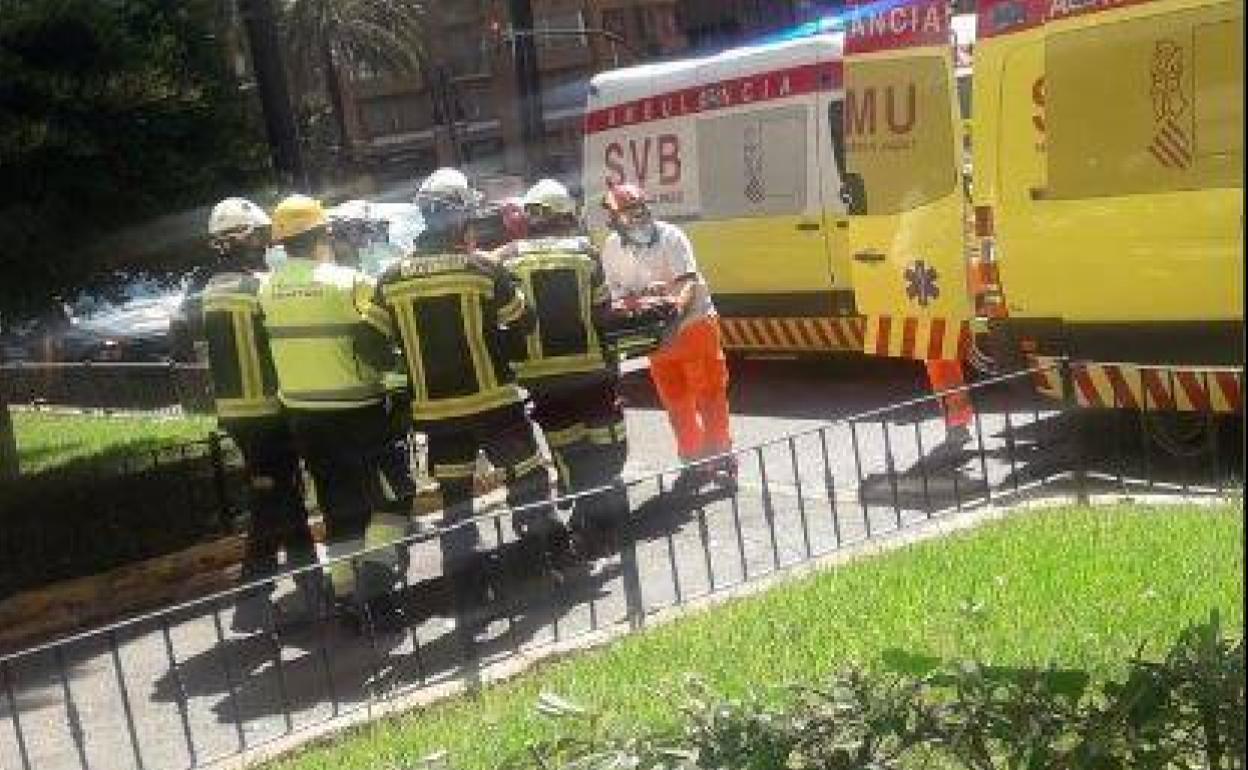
1179	434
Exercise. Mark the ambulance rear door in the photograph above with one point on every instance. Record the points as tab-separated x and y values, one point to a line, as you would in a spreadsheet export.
904	155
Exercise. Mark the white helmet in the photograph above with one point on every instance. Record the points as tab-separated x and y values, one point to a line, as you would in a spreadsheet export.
352	210
448	184
236	216
551	196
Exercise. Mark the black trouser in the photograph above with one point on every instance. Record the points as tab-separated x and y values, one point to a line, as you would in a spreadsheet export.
278	517
584	428
507	438
348	453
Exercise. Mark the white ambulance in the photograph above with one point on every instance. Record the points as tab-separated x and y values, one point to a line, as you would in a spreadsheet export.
744	151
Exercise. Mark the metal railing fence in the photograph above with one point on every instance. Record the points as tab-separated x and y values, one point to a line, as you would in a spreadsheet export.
178	688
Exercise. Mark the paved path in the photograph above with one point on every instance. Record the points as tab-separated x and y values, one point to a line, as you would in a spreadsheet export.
195	691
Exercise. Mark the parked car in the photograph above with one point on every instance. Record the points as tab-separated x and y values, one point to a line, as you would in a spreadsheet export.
130	322
389	234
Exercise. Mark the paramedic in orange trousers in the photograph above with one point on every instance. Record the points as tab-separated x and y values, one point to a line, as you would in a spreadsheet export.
648	256
958	410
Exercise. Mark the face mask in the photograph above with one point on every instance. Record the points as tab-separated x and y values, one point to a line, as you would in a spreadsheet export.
641	234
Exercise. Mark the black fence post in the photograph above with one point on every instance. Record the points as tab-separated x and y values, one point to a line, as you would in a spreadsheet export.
1071	402
630	575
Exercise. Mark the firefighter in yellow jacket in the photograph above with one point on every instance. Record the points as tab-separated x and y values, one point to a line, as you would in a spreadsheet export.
561	362
453	309
244	383
330	352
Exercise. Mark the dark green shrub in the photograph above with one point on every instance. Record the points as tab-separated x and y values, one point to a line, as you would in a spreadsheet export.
1184	711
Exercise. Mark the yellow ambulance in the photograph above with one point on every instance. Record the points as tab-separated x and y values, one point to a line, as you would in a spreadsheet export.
744	151
1108	189
1105	193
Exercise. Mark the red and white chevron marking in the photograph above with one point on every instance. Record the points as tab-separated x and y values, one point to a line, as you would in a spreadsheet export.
1150	388
918	338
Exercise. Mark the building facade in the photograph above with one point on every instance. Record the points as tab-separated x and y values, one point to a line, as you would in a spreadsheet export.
465	111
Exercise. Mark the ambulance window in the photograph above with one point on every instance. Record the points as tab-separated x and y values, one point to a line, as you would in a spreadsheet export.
852	193
1147	105
754	163
899	132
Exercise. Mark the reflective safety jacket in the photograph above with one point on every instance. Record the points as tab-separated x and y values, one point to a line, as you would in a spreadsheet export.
244	382
328	341
452	313
565	284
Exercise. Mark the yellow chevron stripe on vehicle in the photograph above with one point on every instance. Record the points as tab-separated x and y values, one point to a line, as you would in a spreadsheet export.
792	334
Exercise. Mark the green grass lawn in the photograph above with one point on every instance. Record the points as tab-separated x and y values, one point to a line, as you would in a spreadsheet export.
46	441
1079	588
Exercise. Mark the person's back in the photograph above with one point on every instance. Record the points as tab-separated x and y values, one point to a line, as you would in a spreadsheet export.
454	312
326	354
227	317
564	282
449	310
561	362
330	350
244	382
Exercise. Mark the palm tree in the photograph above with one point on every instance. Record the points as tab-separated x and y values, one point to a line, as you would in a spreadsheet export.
324	36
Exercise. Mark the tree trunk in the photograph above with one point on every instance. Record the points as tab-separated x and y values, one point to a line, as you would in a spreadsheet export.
9	465
599	52
529	87
270	74
333	87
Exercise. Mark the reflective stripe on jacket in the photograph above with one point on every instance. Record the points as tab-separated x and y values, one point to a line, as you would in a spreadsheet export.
244	382
565	285
450	312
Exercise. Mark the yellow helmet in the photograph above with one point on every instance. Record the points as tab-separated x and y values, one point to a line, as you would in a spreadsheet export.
296	215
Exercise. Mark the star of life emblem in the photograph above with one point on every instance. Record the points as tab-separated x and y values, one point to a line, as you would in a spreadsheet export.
921	283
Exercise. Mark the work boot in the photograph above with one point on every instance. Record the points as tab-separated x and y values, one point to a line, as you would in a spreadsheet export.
595	540
545	549
252	610
386	614
958	435
722	472
951	450
307	604
688	481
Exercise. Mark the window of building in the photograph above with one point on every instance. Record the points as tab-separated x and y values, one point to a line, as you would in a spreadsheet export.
551	30
388	115
614	21
467	49
661	24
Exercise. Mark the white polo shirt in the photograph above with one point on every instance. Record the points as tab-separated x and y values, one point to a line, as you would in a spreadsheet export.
630	269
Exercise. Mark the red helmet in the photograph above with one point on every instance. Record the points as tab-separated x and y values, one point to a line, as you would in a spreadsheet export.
621	197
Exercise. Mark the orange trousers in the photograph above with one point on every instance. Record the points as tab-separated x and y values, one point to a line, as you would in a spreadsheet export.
944	375
691	377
